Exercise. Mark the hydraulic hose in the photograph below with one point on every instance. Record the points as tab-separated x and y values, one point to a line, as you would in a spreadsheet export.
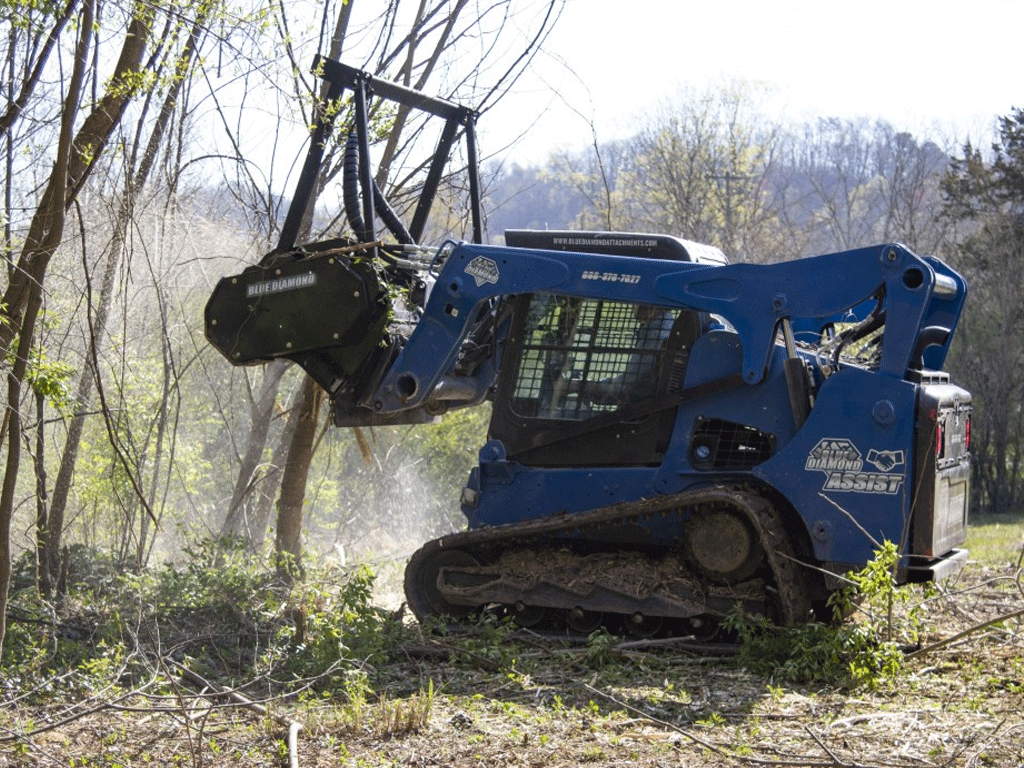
390	218
350	188
350	194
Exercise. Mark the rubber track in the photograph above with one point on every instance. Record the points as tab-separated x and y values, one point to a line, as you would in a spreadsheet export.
793	600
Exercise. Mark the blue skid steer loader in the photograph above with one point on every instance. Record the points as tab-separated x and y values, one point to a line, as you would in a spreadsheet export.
671	435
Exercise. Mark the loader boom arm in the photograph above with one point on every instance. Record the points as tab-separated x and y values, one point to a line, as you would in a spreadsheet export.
918	294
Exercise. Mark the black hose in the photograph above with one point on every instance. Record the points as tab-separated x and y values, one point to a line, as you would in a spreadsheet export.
390	218
350	188
350	194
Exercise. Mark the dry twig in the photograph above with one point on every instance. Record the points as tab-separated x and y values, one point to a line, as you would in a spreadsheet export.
960	635
293	726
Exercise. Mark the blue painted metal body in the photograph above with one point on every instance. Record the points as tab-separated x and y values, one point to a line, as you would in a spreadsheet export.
835	519
753	298
845	471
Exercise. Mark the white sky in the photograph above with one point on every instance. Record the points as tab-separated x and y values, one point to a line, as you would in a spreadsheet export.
937	68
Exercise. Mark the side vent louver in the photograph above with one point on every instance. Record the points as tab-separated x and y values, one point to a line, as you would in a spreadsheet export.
721	444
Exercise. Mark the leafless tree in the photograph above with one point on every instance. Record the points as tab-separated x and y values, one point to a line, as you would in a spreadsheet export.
138	165
849	183
699	168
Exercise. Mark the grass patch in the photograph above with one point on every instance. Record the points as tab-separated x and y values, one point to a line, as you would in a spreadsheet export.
996	539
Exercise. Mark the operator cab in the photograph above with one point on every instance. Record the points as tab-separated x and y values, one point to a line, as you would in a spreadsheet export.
594	381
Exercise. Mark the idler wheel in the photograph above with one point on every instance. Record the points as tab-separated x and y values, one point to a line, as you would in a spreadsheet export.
421	590
722	545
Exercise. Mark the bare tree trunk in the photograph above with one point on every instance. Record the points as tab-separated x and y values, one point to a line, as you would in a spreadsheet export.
288	546
83	393
238	521
289	516
143	544
441	18
21	304
42	513
134	185
266	486
35	72
76	159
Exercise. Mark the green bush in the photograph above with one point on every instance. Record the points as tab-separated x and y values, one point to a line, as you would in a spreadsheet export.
864	651
217	574
336	626
221	613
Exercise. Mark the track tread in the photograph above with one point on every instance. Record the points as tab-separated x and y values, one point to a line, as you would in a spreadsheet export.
791	597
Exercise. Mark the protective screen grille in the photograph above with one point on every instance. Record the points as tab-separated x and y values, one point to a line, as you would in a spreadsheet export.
581	357
727	445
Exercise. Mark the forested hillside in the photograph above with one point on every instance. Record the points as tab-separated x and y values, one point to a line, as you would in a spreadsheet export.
712	172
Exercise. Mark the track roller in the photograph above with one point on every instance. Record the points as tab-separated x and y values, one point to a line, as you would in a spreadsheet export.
528	616
642	626
583	622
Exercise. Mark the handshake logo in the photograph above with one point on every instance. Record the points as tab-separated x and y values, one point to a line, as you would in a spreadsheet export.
885	460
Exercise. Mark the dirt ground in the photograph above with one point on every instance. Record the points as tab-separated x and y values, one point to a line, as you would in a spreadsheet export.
503	701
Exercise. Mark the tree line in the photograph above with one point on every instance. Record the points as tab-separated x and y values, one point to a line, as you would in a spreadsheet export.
144	149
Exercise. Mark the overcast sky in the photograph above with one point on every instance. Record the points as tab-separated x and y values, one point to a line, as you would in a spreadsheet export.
928	67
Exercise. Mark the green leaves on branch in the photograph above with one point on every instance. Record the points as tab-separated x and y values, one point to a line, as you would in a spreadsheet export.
862	651
28	14
47	377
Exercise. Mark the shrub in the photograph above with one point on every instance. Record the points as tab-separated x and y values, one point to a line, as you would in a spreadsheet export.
863	651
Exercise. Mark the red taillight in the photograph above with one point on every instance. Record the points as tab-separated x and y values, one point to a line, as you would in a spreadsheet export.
938	440
967	434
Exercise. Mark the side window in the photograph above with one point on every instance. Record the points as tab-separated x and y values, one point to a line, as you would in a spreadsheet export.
582	357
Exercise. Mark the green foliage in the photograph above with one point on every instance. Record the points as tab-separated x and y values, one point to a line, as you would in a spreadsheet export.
217	574
222	613
489	645
45	375
22	655
599	647
104	665
333	627
320	627
983	196
27	14
40	639
50	378
891	611
847	654
975	185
